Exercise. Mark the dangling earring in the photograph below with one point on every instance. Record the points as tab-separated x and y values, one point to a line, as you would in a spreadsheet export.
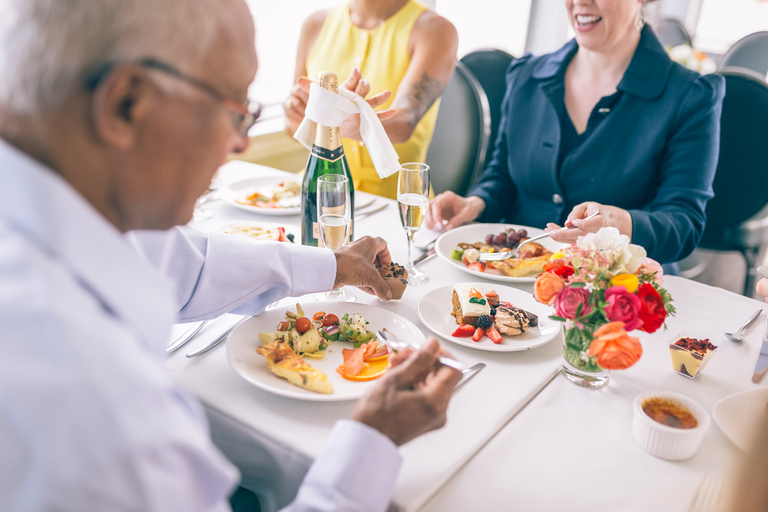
640	17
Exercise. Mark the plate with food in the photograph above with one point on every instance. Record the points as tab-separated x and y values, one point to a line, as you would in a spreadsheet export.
270	195
327	354
493	318
262	231
462	247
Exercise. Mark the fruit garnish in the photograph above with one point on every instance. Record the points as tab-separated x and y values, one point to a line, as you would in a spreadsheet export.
474	293
303	324
492	333
484	321
476	266
478	334
464	331
371	370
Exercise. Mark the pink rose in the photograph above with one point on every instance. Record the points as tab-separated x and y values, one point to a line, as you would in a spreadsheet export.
623	307
568	300
650	266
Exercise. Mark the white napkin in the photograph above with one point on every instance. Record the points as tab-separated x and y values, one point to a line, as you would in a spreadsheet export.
330	109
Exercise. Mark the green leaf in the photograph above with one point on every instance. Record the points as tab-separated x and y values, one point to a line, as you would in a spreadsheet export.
578	285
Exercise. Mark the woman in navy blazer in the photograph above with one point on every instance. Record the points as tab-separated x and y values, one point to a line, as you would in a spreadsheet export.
607	122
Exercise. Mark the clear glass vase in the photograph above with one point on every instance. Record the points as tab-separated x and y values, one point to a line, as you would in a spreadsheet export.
578	366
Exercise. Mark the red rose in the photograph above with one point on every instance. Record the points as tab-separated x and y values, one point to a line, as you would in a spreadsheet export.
568	300
623	307
559	268
652	312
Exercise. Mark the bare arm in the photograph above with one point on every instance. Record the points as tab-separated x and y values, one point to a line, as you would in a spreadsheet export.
433	45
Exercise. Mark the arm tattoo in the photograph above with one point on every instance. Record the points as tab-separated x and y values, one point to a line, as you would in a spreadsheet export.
419	96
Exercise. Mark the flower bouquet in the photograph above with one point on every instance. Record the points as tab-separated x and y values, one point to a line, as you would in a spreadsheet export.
601	288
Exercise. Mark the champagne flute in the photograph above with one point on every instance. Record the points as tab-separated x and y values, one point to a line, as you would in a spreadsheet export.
412	201
334	212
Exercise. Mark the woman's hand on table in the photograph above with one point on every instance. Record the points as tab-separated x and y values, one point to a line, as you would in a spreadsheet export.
412	397
356	265
609	216
452	210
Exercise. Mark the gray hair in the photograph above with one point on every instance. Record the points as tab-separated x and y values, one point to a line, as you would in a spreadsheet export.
48	45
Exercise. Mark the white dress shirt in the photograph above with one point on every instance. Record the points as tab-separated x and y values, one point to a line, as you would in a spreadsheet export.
89	418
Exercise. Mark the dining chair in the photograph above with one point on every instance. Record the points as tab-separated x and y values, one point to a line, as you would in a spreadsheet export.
462	130
737	217
489	65
671	32
750	52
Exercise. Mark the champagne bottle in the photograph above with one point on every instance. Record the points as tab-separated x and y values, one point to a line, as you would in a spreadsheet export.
326	157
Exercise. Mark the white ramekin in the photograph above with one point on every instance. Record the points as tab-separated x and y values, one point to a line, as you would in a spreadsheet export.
668	442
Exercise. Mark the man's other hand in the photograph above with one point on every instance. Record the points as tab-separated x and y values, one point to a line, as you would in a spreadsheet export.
356	265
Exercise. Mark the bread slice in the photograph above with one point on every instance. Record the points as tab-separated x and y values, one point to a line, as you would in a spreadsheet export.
283	362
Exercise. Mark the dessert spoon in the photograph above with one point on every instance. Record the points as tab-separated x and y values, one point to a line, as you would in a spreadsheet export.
739	335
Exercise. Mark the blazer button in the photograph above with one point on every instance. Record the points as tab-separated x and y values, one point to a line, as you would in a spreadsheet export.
557	199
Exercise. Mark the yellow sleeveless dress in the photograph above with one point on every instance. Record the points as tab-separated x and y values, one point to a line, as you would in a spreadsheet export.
382	56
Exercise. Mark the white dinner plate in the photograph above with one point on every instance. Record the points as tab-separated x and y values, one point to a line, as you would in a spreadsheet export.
741	416
436	306
289	229
239	190
242	344
473	233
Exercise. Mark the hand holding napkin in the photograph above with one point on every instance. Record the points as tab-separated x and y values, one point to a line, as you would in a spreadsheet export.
330	109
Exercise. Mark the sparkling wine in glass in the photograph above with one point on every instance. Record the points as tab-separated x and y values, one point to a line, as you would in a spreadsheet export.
412	201
334	213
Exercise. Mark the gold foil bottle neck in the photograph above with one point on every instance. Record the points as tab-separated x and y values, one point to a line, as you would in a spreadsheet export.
328	80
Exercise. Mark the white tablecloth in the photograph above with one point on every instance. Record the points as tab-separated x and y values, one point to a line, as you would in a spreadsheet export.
567	444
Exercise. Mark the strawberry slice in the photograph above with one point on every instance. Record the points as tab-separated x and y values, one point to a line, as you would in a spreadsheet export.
478	334
464	331
492	333
477	267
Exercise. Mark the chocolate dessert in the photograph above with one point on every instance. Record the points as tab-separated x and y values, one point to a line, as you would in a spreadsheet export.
513	321
396	277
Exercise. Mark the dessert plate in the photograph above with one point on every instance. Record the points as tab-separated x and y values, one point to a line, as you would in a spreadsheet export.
435	311
473	233
259	230
239	190
242	356
742	415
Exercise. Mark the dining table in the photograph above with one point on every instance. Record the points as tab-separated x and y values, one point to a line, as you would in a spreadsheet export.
519	435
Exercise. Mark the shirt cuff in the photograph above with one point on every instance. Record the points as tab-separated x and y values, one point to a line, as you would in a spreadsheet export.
360	464
312	270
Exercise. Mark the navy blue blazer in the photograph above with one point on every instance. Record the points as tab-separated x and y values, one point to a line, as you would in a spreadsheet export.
651	148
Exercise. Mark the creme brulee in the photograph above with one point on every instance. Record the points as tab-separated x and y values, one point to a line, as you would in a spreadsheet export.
669	413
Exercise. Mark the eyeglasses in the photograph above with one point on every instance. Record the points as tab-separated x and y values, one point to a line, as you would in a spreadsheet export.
246	114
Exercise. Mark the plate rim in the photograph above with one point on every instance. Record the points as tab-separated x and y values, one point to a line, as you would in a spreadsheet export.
228	190
718	407
493	277
303	394
294	229
461	342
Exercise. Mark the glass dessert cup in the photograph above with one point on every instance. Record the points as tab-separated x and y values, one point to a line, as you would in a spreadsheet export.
690	355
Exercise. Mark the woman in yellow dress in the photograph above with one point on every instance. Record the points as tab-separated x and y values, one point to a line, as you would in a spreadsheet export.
398	45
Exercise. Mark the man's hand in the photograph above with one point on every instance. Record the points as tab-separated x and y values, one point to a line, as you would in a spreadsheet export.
452	210
356	265
412	397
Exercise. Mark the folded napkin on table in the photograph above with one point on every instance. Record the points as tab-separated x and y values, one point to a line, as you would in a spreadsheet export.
330	109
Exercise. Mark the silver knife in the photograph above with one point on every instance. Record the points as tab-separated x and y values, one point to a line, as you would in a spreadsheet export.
184	338
762	359
424	257
468	374
219	339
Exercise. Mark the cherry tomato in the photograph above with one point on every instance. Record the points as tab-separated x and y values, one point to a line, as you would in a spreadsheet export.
283	326
318	316
330	319
303	324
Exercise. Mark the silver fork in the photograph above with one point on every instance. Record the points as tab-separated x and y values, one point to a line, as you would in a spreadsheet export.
503	255
707	495
396	344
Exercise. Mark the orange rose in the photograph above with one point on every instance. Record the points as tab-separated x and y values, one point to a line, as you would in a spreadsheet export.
546	287
614	348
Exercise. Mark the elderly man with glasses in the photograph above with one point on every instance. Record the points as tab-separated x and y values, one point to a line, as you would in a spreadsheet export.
114	115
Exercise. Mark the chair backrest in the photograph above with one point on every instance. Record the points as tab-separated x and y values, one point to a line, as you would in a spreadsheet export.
750	52
489	66
671	32
463	125
741	179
